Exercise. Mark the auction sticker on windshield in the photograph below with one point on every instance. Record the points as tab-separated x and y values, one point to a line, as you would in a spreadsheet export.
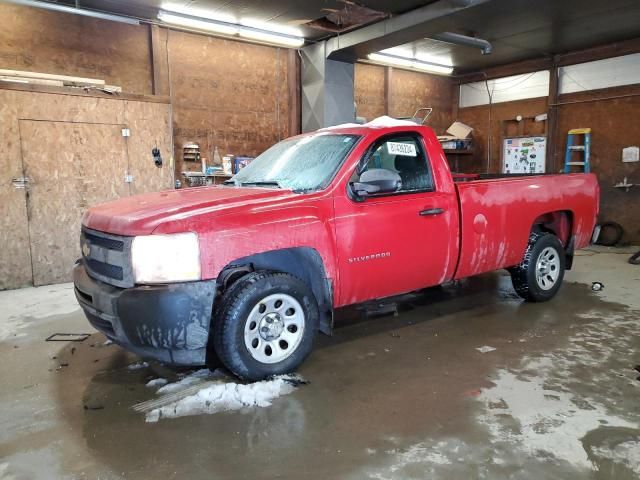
404	149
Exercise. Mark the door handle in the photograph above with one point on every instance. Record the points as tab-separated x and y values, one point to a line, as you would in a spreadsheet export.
431	211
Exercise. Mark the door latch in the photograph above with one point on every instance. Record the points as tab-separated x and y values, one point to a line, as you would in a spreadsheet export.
20	183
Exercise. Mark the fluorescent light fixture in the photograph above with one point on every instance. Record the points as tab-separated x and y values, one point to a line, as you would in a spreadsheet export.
412	63
56	7
268	37
198	23
231	29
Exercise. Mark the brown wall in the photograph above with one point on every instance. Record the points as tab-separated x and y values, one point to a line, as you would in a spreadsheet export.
369	91
227	94
54	139
615	124
38	40
407	91
412	90
478	118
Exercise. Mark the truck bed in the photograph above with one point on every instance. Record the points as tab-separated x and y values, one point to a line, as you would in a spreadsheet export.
498	211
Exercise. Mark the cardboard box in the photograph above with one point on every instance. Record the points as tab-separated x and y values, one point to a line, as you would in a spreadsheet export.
457	131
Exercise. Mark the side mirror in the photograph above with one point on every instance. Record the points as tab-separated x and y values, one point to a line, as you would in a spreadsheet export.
374	181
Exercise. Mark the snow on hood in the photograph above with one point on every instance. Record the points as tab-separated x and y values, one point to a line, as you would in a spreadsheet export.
205	392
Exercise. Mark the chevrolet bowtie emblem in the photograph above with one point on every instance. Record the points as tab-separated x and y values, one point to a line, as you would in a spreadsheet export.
86	250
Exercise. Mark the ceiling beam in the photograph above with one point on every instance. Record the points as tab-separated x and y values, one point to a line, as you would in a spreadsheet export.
407	27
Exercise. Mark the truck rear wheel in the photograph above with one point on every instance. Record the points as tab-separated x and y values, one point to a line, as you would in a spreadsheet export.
265	325
539	276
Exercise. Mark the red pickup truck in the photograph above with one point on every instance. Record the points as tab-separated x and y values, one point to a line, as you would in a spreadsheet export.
248	272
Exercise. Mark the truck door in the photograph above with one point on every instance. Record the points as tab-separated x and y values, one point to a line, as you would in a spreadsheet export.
396	242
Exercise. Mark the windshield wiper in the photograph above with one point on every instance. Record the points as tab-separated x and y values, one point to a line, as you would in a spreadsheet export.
271	183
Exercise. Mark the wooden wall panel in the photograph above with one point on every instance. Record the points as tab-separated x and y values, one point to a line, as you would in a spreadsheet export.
150	125
15	258
73	150
227	94
38	40
73	166
411	90
478	118
369	91
70	108
614	123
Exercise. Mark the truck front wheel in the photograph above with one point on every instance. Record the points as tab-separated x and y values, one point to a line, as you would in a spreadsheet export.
265	325
540	274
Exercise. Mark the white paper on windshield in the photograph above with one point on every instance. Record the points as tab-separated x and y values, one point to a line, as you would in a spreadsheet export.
403	149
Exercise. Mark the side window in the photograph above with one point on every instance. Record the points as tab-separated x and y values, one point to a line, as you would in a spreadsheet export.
403	154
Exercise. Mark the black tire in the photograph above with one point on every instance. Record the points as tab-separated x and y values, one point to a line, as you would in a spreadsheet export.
232	316
526	281
610	234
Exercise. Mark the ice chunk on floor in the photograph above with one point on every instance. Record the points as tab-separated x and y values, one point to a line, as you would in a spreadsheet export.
137	366
216	395
157	382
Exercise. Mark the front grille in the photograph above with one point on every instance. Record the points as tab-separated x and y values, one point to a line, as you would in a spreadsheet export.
108	243
107	257
101	268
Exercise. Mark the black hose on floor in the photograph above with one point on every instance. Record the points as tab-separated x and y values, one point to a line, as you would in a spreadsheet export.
635	259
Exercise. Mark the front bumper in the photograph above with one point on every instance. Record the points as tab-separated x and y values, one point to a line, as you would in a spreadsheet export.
169	323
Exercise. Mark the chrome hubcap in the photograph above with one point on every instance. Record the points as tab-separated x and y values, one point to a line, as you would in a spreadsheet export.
547	268
274	328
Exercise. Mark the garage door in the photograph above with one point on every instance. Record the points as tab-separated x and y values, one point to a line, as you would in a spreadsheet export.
69	167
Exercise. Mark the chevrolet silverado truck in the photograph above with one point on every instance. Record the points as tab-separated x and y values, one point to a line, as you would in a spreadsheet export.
248	272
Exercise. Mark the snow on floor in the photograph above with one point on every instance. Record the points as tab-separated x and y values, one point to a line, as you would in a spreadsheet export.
20	306
205	392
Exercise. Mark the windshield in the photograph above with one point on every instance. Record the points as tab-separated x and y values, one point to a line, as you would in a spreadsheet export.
304	163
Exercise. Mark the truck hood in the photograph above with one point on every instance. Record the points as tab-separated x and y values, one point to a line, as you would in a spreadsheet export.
141	214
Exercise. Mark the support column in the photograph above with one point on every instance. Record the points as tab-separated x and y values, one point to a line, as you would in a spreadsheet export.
327	89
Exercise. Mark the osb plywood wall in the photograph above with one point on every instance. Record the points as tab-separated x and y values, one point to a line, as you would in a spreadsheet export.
478	118
411	90
614	123
407	91
37	40
227	94
369	91
72	150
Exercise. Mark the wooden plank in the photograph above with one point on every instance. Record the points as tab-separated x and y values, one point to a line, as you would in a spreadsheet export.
80	92
72	166
15	256
65	79
159	59
32	81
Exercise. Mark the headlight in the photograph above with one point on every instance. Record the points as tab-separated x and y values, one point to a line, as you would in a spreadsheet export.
166	258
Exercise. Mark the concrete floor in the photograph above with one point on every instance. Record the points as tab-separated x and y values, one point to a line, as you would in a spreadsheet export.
396	397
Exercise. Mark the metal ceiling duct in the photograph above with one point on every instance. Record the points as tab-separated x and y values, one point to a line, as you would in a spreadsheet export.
457	39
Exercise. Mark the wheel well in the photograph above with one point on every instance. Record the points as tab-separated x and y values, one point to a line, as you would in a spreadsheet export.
560	223
304	263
